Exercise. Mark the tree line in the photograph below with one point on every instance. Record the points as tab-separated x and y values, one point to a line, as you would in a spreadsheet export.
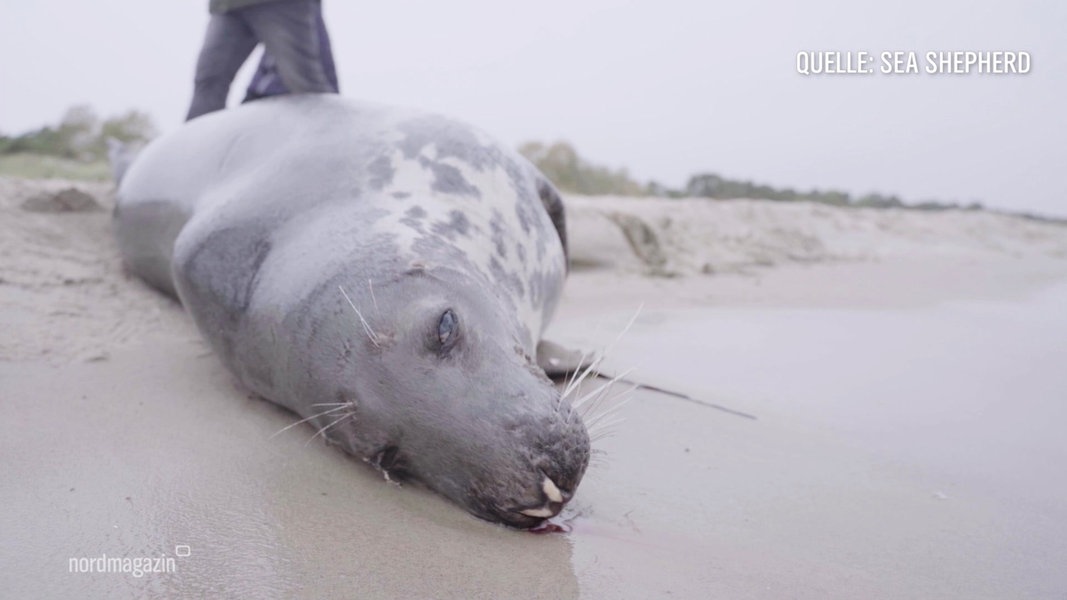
561	163
81	135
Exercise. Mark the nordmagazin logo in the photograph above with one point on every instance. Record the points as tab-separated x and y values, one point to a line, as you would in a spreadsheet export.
137	566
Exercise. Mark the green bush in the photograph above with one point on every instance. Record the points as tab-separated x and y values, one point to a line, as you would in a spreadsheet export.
568	171
80	136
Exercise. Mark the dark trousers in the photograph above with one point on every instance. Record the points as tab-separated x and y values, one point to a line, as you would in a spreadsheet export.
289	31
266	81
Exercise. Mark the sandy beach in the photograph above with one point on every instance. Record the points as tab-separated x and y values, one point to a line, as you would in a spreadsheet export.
893	380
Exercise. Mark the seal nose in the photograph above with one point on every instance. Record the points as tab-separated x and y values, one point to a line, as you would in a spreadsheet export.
554	501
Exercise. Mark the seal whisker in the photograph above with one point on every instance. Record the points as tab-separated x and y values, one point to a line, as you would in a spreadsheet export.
370	286
599	392
600	419
600	360
626	329
577	389
591	402
305	420
577	383
589	406
623	398
597	457
366	326
608	416
569	382
605	424
591	368
324	429
573	377
605	433
597	423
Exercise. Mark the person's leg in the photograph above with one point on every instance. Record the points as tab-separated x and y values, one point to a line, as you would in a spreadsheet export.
290	33
265	81
326	50
227	44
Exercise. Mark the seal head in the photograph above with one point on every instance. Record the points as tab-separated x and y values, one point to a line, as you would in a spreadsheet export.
445	395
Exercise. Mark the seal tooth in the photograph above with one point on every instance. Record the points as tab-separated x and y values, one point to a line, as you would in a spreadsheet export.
543	512
551	490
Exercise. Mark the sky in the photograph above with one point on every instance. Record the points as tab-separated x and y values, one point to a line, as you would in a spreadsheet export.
663	88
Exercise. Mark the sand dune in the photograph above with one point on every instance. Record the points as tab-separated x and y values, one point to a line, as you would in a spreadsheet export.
67	297
694	236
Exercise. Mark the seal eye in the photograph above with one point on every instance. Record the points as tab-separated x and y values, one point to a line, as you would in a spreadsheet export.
447	327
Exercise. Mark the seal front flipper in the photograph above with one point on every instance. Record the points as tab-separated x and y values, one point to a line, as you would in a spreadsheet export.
559	362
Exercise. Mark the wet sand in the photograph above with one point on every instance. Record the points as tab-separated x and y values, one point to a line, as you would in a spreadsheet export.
911	452
905	440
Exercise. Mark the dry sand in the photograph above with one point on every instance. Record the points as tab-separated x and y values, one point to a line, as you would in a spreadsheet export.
122	435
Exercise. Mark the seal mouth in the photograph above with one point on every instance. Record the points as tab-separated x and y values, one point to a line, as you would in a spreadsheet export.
521	521
390	462
525	517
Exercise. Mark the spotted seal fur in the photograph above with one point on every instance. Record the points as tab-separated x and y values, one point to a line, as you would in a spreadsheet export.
384	273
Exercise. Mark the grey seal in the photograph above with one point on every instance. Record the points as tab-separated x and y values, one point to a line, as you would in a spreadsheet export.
384	273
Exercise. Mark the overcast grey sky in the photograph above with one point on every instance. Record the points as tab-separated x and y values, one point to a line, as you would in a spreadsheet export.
665	88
